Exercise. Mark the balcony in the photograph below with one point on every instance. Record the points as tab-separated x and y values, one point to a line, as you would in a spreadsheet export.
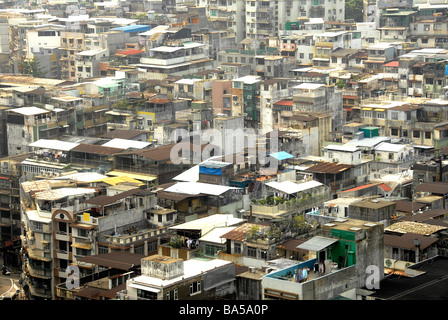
62	254
129	239
294	205
40	290
172	61
38	272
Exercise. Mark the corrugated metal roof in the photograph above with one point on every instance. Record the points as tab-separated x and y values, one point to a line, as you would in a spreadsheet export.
406	241
408	206
103	200
96	149
329	167
282	155
290	187
433	187
119	260
317	243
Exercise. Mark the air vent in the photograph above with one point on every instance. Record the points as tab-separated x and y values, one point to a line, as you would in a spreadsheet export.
370	224
329	224
354	229
340	220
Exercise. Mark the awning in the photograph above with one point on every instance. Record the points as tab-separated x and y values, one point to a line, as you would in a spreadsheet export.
137	176
379	109
367	109
144	288
317	243
81	245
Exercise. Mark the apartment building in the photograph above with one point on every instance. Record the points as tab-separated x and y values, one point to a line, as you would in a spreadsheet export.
44	36
10	244
320	98
227	16
71	43
271	92
181	59
23	127
87	63
66	219
245	99
167	278
346	246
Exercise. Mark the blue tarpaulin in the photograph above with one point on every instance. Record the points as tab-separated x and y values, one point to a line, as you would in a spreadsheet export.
213	171
282	155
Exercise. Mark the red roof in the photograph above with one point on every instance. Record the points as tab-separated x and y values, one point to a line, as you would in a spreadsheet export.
391	64
385	187
360	187
129	52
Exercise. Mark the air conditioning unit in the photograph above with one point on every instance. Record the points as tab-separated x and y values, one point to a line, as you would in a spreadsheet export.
335	160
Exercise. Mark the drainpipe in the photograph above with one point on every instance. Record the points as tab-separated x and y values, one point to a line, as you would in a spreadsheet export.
417	250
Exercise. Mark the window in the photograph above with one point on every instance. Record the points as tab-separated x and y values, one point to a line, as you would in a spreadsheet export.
237	248
195	287
416	134
394	115
394	132
82	233
146	295
264	255
103	249
380	115
82	252
427	134
252	252
38	226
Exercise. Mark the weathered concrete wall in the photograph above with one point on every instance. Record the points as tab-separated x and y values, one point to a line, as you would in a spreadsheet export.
329	286
120	220
248	289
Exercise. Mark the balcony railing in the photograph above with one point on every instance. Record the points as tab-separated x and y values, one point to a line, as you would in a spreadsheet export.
296	205
125	240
